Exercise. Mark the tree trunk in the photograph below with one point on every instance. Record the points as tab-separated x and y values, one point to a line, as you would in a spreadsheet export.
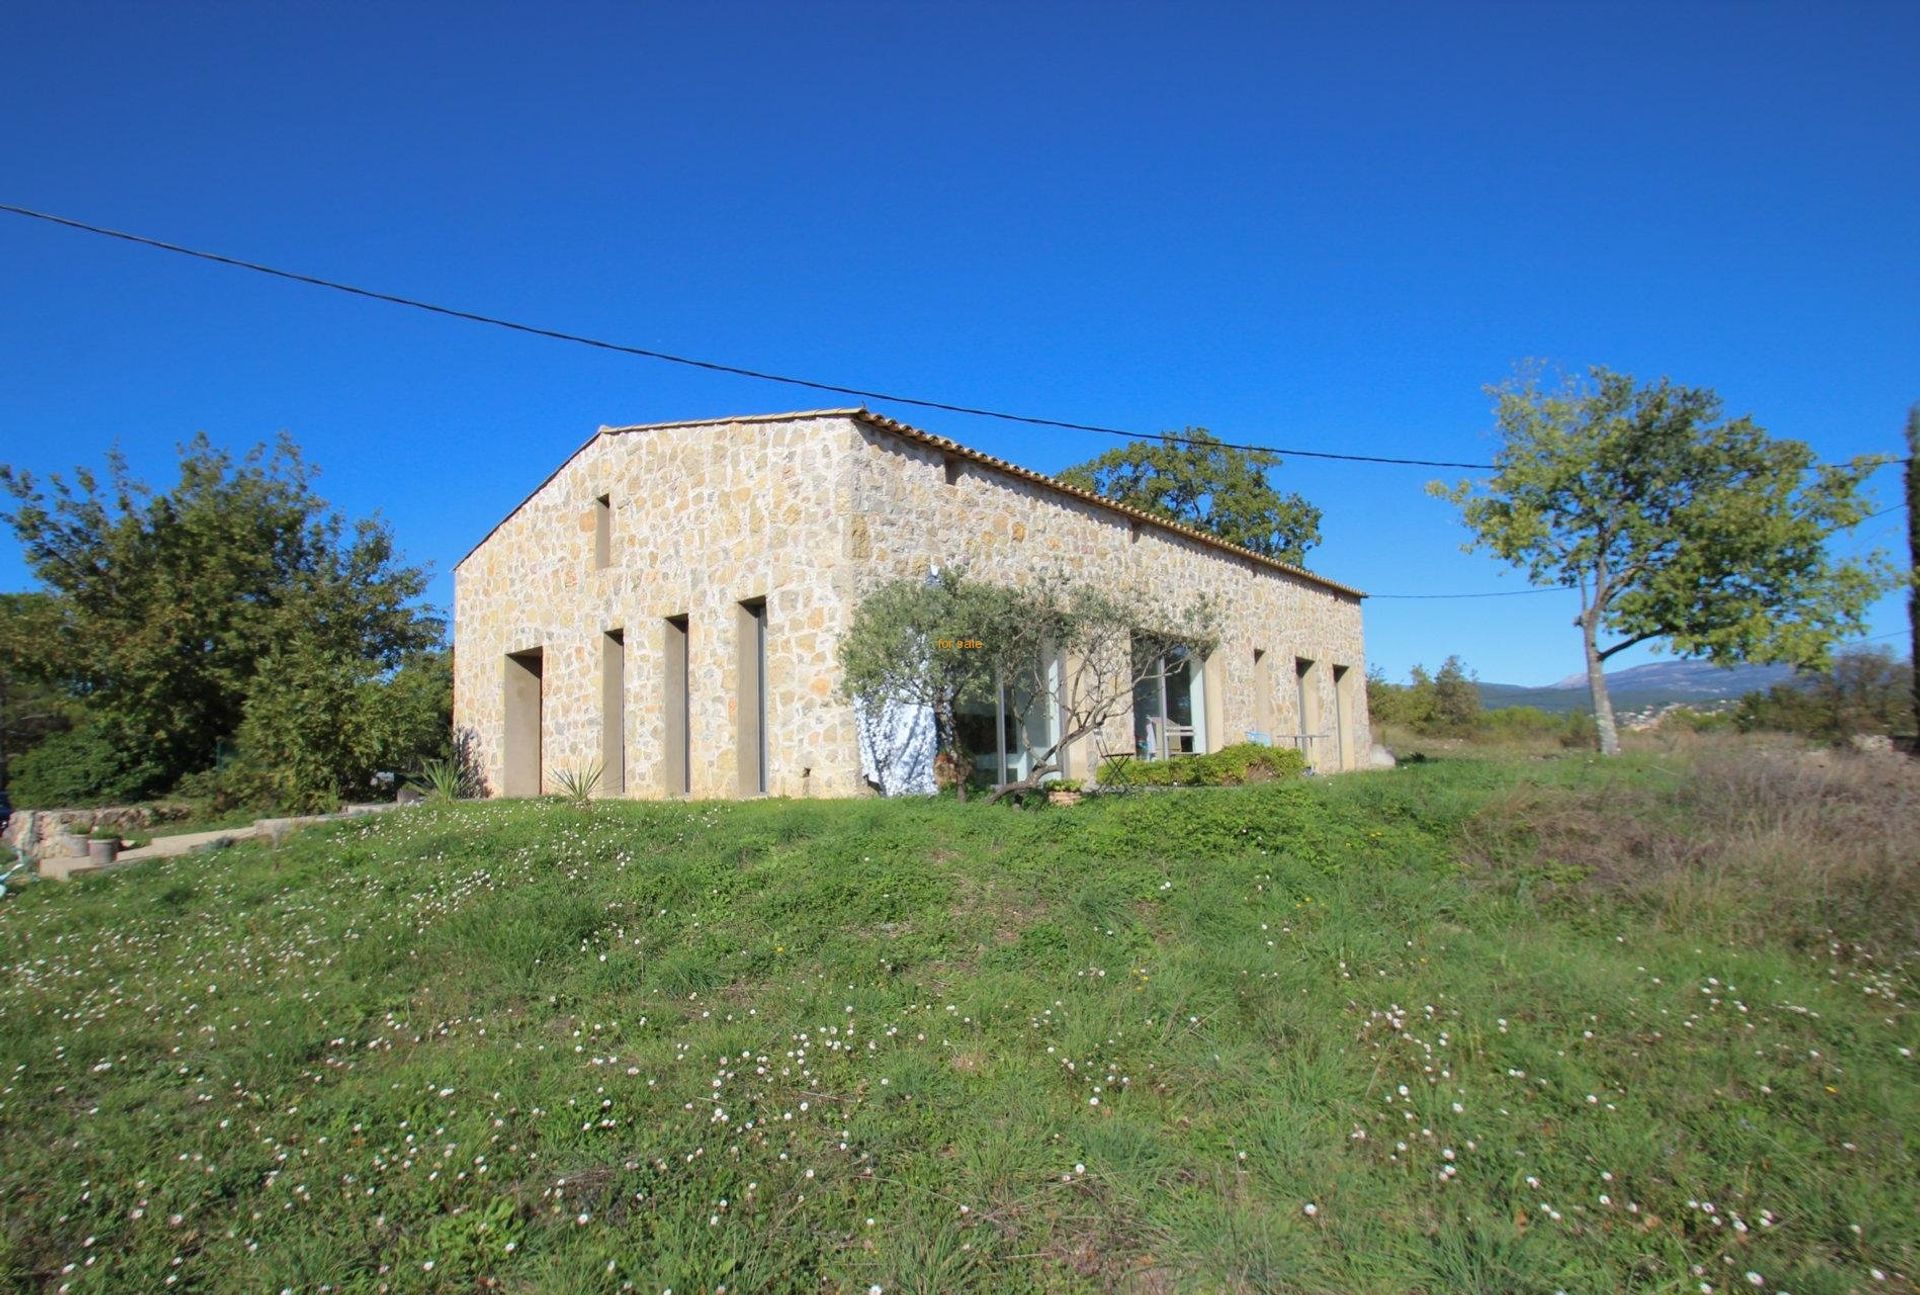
1597	685
1913	561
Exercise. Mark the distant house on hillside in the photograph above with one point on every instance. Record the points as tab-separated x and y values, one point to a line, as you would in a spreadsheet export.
670	600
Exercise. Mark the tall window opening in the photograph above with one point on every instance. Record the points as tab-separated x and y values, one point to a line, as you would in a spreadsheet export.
1307	707
1000	736
522	762
603	531
1343	717
1262	695
613	712
676	746
750	713
1169	705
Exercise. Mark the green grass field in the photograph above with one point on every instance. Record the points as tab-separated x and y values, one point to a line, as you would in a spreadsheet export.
1380	1033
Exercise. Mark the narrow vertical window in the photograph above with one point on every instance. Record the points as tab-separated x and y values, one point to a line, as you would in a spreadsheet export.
521	754
1307	704
613	712
603	531
676	746
750	714
1262	696
1342	716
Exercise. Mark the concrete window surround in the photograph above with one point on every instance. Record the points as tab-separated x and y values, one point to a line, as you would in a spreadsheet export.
1307	708
1262	694
602	532
750	694
524	692
613	712
676	747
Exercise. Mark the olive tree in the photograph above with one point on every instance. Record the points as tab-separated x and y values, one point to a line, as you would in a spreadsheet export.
1082	652
1074	648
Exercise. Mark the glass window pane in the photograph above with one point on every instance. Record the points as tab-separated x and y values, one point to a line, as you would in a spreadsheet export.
1146	707
1180	691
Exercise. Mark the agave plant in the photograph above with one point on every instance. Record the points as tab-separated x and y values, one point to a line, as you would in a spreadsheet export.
444	780
578	782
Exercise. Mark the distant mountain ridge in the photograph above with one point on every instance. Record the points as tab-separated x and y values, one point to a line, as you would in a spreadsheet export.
1657	683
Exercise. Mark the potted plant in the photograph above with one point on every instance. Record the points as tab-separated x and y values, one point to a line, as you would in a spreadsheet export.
1064	791
103	846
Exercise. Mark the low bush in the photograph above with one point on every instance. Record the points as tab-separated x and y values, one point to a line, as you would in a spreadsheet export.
235	785
83	766
1233	766
1573	729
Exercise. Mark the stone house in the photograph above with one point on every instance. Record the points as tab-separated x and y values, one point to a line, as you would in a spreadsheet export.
669	603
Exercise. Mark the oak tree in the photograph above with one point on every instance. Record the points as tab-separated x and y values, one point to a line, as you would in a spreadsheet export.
1676	524
1190	477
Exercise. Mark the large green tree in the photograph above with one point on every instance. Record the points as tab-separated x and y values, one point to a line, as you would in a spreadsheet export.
1674	523
33	705
1190	477
173	600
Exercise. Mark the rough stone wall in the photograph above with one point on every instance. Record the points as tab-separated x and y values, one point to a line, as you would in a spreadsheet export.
810	513
907	514
704	517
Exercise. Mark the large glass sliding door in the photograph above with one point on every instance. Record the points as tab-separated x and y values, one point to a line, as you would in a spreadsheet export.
999	735
1169	705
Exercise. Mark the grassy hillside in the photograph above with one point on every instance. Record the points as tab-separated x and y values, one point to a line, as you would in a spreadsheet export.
1401	1032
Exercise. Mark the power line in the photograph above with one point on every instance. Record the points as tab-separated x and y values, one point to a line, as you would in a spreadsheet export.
715	366
712	366
1502	593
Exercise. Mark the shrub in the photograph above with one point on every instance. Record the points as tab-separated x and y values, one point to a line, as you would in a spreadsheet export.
577	783
1231	766
446	780
234	785
1578	732
83	766
1864	691
320	723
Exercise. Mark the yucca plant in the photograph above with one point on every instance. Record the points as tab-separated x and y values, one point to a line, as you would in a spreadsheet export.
577	783
444	780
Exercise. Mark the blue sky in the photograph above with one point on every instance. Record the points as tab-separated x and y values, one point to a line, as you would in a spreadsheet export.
1323	226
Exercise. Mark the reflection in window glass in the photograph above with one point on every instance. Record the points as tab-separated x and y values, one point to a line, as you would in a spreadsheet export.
1164	697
